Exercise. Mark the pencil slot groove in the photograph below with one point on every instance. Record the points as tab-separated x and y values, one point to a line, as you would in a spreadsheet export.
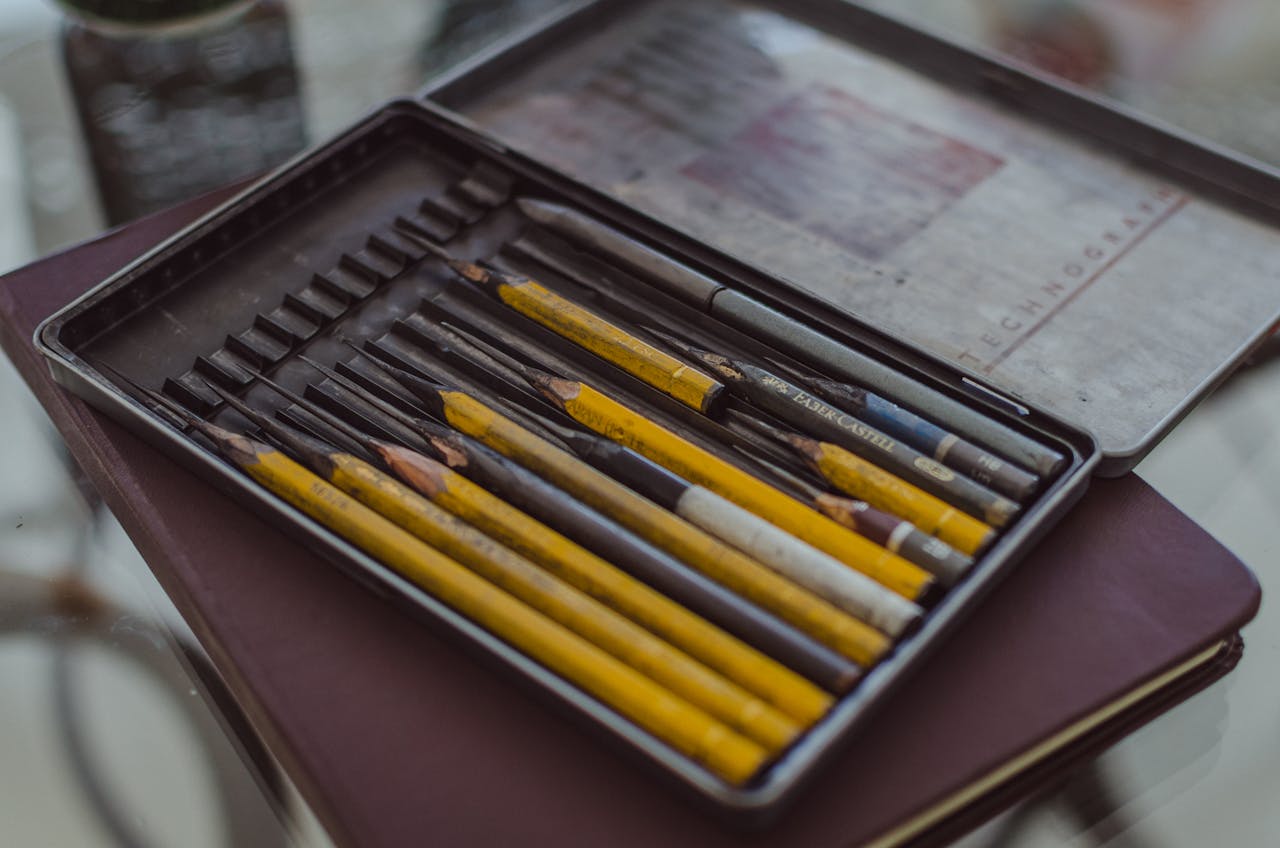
485	184
264	345
328	307
271	324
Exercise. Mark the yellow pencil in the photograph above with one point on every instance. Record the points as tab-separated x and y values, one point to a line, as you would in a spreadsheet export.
702	551
627	427
679	724
508	570
695	635
590	332
853	475
626	594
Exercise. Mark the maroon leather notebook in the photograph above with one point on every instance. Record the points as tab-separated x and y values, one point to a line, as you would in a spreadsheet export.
397	737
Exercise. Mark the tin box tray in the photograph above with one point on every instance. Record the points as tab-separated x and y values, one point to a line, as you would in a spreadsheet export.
308	257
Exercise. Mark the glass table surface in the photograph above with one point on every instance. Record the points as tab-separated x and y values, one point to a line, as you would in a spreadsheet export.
119	733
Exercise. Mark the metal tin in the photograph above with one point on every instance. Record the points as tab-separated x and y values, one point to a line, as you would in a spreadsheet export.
223	289
1050	243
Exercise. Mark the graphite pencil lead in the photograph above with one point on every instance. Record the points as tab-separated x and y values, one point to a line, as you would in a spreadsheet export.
410	232
336	422
313	452
476	373
159	401
424	428
381	357
503	358
428	392
236	447
469	271
468	347
554	388
802	445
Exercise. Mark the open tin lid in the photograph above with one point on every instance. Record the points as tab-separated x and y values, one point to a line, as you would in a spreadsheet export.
1083	261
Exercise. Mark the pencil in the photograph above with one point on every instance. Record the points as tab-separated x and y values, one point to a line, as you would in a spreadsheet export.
855	476
527	582
758	320
802	564
579	566
810	414
943	445
889	531
651	563
687	729
474	318
590	332
628	427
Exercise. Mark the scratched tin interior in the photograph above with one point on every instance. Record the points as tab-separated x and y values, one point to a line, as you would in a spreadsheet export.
307	258
993	218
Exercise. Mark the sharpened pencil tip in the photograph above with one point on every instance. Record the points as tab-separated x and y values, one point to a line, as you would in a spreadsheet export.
408	231
535	377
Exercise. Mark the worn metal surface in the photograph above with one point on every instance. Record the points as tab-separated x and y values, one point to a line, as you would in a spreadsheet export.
1047	265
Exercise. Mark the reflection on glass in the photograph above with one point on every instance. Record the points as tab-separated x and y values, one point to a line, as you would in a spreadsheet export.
466	26
1208	66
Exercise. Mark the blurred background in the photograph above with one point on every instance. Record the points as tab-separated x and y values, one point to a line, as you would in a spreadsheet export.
114	730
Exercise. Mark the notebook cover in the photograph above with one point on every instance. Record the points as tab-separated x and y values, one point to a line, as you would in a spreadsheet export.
395	735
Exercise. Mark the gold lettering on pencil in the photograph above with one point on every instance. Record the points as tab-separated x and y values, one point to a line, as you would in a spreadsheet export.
776	384
936	548
866	434
934	469
844	421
